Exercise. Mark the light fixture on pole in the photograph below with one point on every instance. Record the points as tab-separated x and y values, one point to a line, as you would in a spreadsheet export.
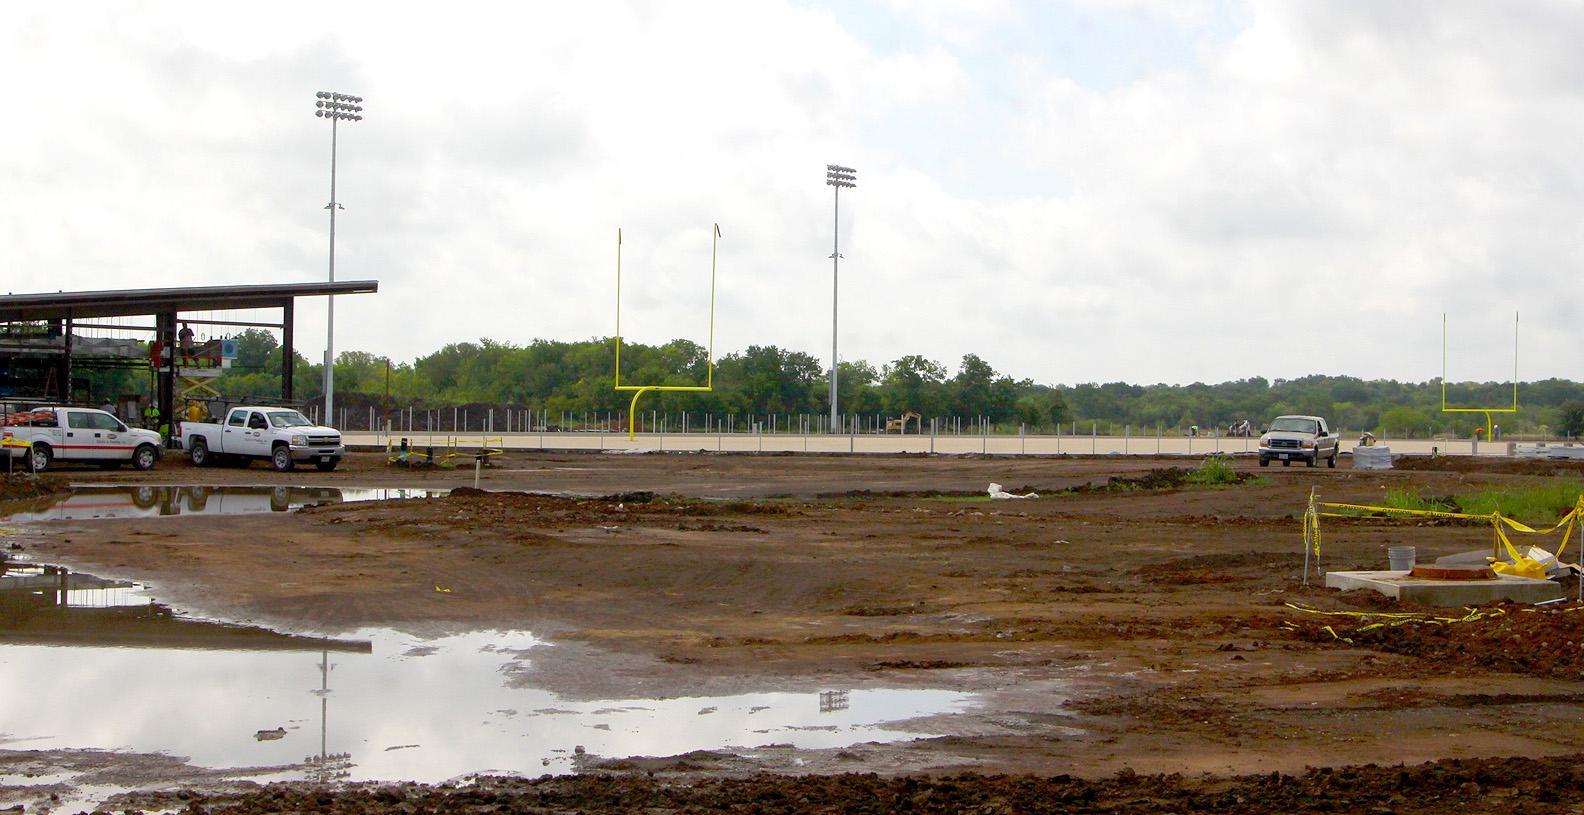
837	177
338	108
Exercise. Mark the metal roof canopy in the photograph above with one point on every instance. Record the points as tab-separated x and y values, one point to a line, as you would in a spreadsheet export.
62	309
131	302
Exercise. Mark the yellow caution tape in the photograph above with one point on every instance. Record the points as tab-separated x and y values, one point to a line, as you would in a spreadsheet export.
1429	513
1521	564
1395	618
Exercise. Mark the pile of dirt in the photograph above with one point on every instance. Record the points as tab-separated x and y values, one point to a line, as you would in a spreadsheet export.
1510	638
1487	464
468	509
1162	478
897	494
1533	785
23	486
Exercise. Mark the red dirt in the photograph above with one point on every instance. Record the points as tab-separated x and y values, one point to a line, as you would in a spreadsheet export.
1442	788
1518	639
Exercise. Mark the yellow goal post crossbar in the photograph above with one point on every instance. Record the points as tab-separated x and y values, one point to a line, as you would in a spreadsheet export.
640	390
1484	411
1521	565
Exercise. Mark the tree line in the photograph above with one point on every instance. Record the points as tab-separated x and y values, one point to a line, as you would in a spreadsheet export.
556	376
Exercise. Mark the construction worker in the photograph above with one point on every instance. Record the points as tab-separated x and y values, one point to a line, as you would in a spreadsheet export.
151	416
196	412
185	337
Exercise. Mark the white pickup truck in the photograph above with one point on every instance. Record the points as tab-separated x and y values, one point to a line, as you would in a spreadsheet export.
45	435
280	435
1299	438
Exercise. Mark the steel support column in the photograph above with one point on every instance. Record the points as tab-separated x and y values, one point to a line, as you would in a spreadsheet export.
165	397
288	354
66	362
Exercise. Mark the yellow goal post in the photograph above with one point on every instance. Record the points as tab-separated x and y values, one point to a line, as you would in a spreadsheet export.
640	390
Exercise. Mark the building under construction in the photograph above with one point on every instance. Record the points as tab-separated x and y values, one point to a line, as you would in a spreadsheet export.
50	341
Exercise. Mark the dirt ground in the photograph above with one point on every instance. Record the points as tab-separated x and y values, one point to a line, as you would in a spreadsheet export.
1453	786
1111	627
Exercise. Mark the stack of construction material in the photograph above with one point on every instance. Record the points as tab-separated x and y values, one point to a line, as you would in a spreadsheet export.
1376	457
1543	450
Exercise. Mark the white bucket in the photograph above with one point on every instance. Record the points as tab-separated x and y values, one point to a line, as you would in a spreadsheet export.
1400	557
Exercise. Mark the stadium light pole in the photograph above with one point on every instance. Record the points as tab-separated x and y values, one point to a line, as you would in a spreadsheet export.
338	108
837	177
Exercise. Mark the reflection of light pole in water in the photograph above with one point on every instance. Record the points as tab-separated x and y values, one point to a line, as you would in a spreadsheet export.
326	766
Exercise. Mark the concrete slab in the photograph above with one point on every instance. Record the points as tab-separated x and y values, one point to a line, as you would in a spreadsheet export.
1447	592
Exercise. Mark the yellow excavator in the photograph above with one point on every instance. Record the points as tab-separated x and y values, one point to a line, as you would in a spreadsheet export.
900	425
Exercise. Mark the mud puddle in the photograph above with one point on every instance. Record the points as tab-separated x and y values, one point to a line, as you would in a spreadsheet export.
85	502
104	668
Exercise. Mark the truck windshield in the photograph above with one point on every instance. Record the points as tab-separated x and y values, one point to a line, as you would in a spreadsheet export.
1291	425
288	418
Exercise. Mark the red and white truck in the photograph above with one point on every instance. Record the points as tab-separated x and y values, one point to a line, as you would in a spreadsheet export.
45	435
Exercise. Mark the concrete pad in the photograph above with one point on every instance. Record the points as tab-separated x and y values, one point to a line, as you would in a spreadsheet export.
1447	592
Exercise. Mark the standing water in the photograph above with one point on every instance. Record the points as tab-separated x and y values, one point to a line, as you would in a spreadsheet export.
85	503
101	666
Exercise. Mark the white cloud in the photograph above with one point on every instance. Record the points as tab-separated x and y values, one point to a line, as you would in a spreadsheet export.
957	22
1218	219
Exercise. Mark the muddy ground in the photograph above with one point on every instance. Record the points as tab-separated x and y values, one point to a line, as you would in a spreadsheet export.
1113	625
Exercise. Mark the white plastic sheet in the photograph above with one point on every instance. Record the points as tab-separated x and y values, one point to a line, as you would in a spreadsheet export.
1377	457
997	492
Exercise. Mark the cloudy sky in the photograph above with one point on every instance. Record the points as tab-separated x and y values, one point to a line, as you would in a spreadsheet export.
1090	190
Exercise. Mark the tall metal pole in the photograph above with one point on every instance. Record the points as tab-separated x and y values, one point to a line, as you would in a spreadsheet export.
329	361
335	107
837	177
835	299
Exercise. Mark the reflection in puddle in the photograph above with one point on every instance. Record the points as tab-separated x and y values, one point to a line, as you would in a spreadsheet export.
388	706
92	502
48	605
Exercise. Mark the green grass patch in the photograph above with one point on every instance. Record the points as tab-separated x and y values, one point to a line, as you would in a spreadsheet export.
1540	503
1533	504
1408	499
1214	471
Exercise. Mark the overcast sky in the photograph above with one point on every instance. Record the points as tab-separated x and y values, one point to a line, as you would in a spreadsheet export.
1093	190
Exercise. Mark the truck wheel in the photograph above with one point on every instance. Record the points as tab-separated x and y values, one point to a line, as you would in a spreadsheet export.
200	453
145	457
1311	461
327	466
39	458
1331	462
281	459
1264	462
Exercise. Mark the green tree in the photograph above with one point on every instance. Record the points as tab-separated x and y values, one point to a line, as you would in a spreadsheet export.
913	383
1570	423
1403	421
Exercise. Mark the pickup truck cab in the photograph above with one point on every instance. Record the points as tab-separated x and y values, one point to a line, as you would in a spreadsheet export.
281	436
1299	438
46	435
